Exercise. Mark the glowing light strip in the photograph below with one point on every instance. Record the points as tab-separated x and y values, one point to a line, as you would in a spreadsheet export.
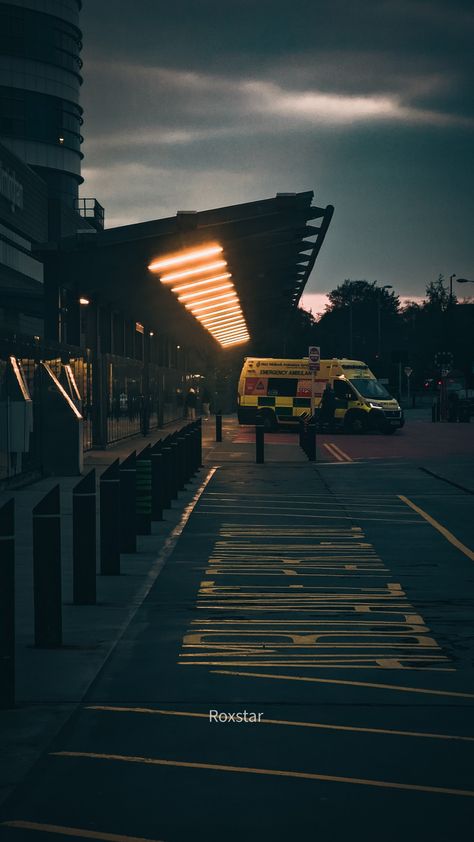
198	270
62	390
228	312
221	315
184	257
204	292
226	337
228	327
235	341
20	380
182	287
223	333
227	296
226	323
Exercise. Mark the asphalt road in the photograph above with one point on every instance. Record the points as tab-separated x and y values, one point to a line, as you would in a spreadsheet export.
335	604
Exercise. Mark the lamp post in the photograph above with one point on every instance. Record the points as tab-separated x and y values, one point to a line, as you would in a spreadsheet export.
379	317
464	281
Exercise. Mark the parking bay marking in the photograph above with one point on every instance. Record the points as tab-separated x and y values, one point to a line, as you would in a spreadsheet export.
318	725
442	529
79	832
311	776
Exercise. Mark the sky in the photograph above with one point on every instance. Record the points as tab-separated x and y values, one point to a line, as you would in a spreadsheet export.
199	104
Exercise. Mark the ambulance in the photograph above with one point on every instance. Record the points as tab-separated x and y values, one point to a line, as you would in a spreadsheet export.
280	392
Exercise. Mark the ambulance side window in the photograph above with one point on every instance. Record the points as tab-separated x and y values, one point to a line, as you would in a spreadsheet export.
284	387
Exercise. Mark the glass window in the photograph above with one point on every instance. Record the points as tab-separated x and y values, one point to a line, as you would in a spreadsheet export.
284	387
370	388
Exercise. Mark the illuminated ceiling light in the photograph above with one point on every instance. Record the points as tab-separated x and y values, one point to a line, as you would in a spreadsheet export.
223	323
184	257
224	337
228	323
224	312
193	284
227	334
227	296
235	342
198	270
84	301
204	292
208	295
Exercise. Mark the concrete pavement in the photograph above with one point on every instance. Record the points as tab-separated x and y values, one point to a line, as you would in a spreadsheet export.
334	600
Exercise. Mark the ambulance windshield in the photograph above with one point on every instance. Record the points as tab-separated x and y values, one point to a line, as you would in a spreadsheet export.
370	388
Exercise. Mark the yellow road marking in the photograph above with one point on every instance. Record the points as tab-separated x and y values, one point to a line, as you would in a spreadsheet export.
352	683
333	452
319	725
311	776
76	831
445	532
343	453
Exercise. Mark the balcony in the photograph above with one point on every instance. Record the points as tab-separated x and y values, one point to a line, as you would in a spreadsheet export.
91	210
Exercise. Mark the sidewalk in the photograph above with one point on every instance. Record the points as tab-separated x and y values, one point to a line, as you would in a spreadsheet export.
51	683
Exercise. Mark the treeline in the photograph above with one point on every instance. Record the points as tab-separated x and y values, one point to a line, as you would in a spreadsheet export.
367	322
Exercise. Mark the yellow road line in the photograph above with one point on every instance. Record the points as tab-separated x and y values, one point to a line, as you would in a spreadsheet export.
342	452
351	683
445	532
75	831
319	725
333	452
249	770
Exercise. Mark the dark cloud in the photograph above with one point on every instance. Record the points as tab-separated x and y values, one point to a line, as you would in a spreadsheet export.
203	104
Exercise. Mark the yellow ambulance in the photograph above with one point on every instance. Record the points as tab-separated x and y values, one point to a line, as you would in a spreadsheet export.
280	391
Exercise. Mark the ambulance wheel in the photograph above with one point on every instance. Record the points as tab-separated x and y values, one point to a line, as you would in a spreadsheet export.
355	422
269	421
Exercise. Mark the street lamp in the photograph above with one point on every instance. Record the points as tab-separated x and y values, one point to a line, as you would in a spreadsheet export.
464	281
379	317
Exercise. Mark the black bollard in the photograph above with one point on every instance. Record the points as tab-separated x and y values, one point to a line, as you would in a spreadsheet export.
128	534
143	499
199	444
47	570
157	484
181	460
109	515
311	441
219	426
259	444
7	605
84	541
174	469
167	482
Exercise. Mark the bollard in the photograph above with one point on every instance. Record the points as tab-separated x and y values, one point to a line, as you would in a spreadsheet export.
199	445
188	438
181	460
433	412
7	605
174	475
167	481
311	441
128	535
157	484
109	515
219	425
259	444
143	492
47	570
84	541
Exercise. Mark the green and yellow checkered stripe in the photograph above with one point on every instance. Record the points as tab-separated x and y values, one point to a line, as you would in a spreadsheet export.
289	407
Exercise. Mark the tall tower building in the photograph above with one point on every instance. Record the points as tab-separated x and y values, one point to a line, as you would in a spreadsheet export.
40	79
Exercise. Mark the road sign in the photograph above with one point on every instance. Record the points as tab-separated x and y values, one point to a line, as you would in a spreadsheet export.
407	370
444	358
444	372
314	357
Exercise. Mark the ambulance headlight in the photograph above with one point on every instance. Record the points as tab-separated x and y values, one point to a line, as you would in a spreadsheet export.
374	405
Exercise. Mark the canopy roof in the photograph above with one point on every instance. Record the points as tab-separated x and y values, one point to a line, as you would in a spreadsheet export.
269	245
